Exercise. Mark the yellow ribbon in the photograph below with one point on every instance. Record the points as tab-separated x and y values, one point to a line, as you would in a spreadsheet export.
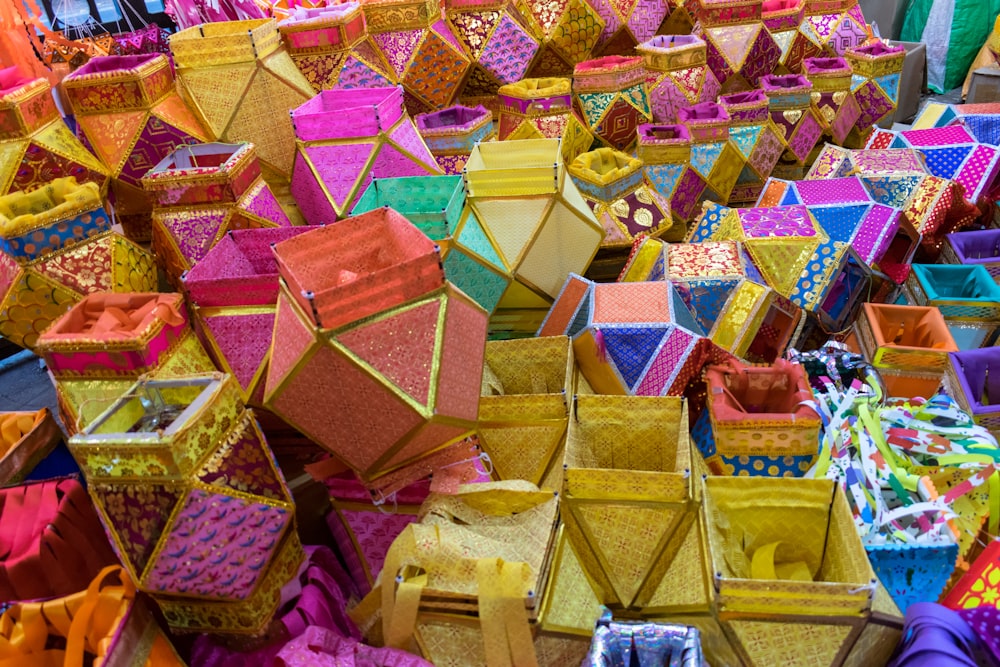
87	620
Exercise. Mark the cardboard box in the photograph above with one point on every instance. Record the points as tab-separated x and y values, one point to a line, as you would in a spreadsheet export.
887	14
985	86
912	83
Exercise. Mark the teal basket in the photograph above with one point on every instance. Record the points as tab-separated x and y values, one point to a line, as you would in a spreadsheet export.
432	203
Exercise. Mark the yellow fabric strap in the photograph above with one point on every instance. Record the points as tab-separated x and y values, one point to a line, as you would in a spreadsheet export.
502	616
87	620
503	619
763	565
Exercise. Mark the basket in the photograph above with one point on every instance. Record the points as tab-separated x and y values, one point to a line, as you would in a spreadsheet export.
523	409
188	456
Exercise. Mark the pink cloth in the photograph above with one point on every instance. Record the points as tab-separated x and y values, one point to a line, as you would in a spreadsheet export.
319	647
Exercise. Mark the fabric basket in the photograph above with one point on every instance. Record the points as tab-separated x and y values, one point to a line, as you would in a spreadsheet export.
105	622
523	410
436	205
837	109
200	193
26	438
782	601
542	108
799	126
367	129
757	139
232	295
332	48
673	63
97	349
484	554
714	157
37	142
611	92
760	421
556	232
452	133
191	459
158	121
980	247
665	151
628	464
967	297
909	346
875	86
241	82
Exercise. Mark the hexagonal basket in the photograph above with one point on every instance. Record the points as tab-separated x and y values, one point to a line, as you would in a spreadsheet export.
38	144
232	296
129	112
102	345
377	358
56	245
201	192
436	205
523	199
344	138
523	409
217	530
757	422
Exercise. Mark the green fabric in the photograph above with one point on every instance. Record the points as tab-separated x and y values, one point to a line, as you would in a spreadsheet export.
971	24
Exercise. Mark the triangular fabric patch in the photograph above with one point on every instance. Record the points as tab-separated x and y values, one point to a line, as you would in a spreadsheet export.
340	167
780	262
244	341
398	46
521	451
664	177
627	537
631	349
734	41
664	369
59	139
890	84
85	267
684	582
704	157
309	195
746	137
474	238
573	603
484	285
430	438
137	515
105	131
706	298
690	81
684	316
11	154
840	222
391	163
511	222
400	347
790	644
946	162
784	41
406	137
247	454
213	90
194	236
265	205
474	29
295	336
173	111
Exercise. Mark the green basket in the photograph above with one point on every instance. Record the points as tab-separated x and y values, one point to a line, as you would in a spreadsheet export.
432	203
